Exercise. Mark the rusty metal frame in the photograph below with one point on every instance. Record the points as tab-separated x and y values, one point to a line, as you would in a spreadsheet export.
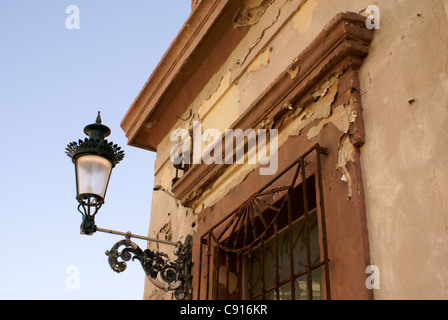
238	234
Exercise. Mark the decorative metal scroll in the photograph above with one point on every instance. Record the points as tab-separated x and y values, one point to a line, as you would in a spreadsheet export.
271	210
251	221
87	204
161	271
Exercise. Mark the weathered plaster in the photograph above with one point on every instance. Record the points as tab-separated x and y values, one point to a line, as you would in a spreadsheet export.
338	118
303	17
445	3
214	97
294	70
166	233
405	158
321	109
262	60
231	178
346	153
166	176
252	11
225	110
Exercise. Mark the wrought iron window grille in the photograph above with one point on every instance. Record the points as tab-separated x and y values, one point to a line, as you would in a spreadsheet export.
229	248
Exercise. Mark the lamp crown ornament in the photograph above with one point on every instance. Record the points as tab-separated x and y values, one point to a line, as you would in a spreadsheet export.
96	143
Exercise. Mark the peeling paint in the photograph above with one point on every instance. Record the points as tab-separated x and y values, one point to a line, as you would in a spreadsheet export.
325	87
351	112
304	16
225	184
293	72
224	111
251	47
167	230
319	110
267	123
339	118
166	177
346	154
257	41
262	60
222	86
287	105
324	97
252	14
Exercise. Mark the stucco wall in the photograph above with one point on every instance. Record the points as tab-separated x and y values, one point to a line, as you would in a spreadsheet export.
405	160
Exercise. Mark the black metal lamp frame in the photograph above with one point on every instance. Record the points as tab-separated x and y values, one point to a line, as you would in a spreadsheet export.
97	145
164	273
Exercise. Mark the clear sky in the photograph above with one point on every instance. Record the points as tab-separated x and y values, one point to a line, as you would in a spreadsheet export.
53	80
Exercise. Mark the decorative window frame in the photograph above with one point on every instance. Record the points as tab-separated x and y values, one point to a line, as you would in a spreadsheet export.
330	63
250	226
338	50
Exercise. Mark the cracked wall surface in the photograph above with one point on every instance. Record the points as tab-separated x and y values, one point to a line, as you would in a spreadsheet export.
405	155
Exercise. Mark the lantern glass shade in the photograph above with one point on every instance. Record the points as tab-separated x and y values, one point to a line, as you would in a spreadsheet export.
92	175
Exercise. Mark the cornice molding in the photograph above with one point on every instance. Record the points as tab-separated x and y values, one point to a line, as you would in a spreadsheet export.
342	45
179	63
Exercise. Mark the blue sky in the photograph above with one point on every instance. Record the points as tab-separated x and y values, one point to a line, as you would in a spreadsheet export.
52	83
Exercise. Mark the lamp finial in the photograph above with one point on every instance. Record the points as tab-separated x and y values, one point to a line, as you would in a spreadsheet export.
98	119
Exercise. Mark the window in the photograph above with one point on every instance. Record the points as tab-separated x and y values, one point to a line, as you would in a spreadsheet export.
259	265
274	245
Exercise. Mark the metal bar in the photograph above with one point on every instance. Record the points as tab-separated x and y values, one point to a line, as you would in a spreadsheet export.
239	223
239	271
228	226
297	275
278	189
209	253
307	231
263	284
260	215
246	226
323	223
291	249
289	167
238	230
286	281
268	184
277	289
252	221
216	268
200	269
130	235
249	286
227	275
269	206
296	174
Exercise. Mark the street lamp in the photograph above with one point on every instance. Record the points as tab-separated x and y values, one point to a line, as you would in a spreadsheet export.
94	158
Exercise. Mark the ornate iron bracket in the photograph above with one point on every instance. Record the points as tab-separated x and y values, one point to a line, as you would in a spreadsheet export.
160	270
